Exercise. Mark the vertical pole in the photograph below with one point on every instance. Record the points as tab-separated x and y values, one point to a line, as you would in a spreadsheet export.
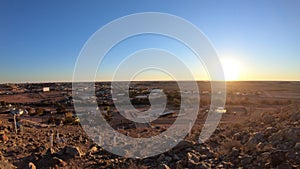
51	140
190	128
15	123
57	138
115	140
100	140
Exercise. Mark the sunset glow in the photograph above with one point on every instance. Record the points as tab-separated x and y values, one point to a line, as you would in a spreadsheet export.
231	69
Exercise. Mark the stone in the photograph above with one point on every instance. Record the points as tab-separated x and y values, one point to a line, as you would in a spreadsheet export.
268	119
50	152
6	165
246	160
168	159
245	137
192	157
193	160
260	145
183	145
175	156
33	157
264	157
73	151
269	131
163	166
31	166
161	157
297	146
3	137
237	136
94	149
277	157
257	137
235	152
59	161
203	156
284	165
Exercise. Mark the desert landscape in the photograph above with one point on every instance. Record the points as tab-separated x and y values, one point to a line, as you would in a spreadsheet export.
260	128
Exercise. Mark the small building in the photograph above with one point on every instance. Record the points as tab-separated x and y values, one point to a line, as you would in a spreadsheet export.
46	89
220	110
15	111
156	90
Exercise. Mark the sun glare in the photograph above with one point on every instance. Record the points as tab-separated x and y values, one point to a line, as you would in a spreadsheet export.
231	69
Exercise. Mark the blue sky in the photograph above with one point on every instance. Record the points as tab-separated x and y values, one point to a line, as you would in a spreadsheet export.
41	40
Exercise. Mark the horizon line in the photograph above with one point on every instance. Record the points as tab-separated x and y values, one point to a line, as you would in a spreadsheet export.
107	81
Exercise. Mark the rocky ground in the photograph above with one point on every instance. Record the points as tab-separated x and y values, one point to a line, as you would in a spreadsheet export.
272	140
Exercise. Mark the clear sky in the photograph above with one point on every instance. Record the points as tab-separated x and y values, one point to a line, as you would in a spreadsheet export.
41	40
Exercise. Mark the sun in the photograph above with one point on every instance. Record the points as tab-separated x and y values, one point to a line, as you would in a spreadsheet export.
231	69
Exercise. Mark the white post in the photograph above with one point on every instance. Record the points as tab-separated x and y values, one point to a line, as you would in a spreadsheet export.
115	140
57	138
190	127
15	123
51	140
100	140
